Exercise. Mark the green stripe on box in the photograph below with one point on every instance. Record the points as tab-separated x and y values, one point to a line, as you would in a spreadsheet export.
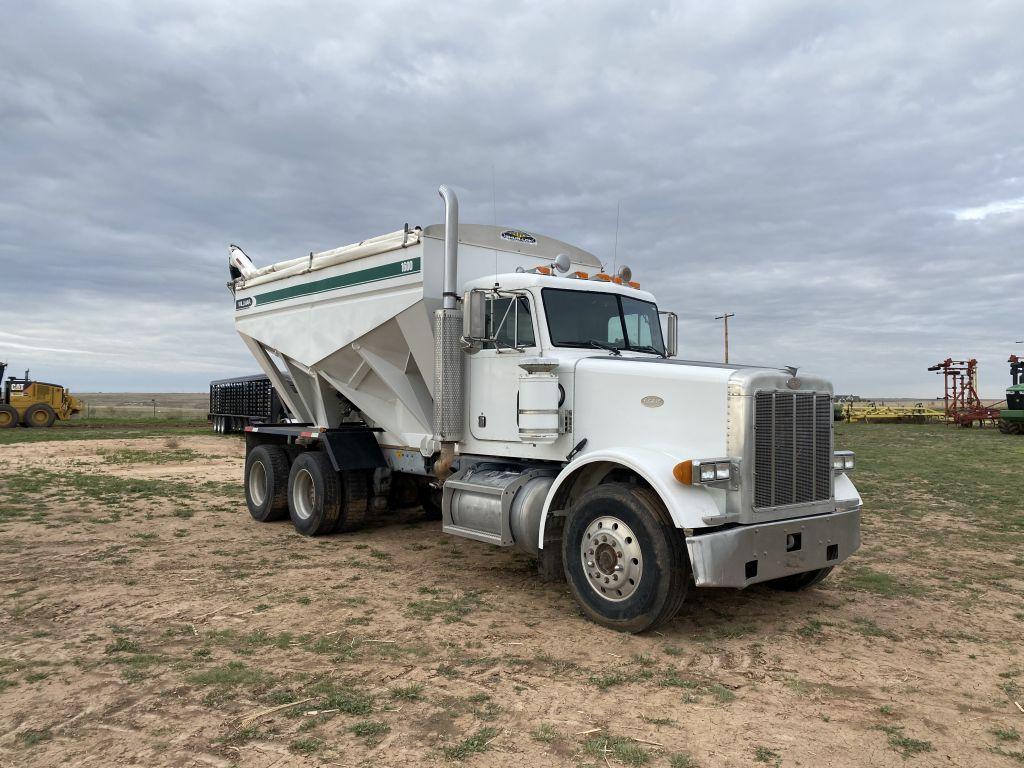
360	277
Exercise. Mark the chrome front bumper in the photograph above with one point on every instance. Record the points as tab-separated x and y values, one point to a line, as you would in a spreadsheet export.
748	554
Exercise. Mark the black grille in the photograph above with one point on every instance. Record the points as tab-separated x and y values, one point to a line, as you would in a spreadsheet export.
1015	401
792	448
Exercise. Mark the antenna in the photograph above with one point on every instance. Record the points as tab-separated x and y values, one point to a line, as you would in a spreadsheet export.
494	219
615	253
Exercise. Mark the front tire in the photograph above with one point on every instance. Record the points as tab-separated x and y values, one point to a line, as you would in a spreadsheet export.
266	483
314	494
799	581
625	561
8	417
40	415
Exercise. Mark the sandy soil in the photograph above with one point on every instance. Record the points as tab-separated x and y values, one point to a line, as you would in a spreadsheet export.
143	621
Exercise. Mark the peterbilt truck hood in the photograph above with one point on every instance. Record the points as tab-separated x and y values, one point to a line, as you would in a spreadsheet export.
689	408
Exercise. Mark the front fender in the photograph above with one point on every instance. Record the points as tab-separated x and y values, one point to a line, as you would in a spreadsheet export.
846	494
686	505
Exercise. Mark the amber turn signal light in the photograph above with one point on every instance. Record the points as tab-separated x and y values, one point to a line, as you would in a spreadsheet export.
683	472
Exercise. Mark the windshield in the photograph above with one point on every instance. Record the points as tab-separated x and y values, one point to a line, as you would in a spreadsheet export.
591	319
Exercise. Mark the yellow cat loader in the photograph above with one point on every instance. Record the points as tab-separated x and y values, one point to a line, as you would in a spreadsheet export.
34	403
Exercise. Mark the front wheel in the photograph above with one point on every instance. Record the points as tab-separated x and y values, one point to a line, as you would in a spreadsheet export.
625	561
799	581
40	415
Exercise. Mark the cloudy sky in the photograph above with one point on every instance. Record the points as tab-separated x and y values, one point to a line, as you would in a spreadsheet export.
848	178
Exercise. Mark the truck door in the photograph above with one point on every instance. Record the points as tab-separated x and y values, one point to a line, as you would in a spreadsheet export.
494	370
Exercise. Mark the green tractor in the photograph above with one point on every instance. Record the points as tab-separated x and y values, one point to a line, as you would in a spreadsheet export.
1011	418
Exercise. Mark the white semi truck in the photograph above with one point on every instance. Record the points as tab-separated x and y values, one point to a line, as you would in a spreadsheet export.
532	401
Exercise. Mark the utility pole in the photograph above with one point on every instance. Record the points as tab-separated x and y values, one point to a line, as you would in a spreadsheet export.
725	319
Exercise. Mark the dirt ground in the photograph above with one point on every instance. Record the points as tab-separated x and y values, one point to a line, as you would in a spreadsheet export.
148	621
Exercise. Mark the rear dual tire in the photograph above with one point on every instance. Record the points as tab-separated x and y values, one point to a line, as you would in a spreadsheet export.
322	500
624	559
282	481
266	483
224	425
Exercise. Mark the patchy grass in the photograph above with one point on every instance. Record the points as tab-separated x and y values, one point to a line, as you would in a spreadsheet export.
905	745
231	674
869	628
60	432
474	745
449	606
1006	734
134	456
32	736
623	749
863	577
682	760
545	733
767	756
370	731
344	697
411	692
306	746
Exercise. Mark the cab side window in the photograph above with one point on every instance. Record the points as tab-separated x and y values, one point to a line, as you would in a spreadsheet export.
510	323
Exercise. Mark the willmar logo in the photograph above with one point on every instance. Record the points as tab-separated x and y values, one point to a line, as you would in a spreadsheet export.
243	303
518	236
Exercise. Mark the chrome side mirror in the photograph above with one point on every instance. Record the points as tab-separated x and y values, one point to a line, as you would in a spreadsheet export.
672	335
474	323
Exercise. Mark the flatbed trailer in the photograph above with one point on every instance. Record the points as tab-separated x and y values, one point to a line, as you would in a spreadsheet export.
237	402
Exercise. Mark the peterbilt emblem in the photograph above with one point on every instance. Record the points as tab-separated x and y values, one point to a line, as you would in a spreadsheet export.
243	303
518	236
793	383
652	401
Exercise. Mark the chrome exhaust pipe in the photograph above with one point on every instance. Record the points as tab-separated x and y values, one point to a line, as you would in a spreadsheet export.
448	406
451	246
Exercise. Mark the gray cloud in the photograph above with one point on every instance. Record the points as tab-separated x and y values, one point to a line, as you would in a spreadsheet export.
846	178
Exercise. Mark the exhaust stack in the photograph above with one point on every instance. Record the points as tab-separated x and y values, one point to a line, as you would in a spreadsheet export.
448	396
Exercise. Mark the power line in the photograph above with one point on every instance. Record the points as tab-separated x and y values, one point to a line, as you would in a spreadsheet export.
725	318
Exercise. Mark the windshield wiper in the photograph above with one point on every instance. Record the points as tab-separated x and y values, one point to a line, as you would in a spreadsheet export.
648	348
608	347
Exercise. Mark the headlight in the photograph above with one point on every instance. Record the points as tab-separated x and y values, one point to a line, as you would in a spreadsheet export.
704	471
842	461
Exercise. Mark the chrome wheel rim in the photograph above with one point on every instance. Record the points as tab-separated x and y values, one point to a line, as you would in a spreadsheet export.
303	494
611	558
258	483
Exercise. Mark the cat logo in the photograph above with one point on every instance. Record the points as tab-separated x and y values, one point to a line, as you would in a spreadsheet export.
518	236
